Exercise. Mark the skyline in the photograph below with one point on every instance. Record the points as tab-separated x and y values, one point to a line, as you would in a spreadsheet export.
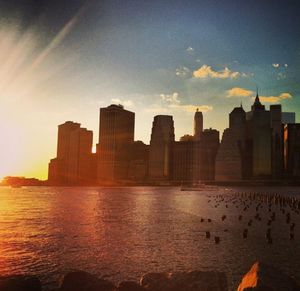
63	61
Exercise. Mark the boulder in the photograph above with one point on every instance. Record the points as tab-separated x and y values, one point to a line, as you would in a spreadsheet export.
198	281
187	281
155	281
130	286
263	277
83	281
20	283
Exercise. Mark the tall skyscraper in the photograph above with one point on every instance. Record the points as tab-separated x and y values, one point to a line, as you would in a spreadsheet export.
260	141
210	140
230	161
288	117
277	141
139	157
186	161
116	134
160	151
292	150
198	125
80	155
63	138
74	156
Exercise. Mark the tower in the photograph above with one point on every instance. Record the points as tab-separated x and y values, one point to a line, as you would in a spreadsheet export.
160	151
230	161
198	125
259	139
116	134
72	166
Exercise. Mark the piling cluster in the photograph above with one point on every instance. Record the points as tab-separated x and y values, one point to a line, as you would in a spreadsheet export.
257	208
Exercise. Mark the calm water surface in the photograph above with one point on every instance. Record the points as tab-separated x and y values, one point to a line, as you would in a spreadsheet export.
124	232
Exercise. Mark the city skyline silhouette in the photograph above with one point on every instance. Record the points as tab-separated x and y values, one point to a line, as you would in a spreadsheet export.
149	145
60	61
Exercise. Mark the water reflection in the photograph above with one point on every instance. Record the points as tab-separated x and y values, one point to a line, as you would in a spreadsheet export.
125	232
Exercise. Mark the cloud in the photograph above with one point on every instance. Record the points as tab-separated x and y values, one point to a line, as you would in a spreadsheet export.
286	65
182	71
170	98
190	49
172	102
239	92
274	99
126	103
276	65
206	71
281	76
192	108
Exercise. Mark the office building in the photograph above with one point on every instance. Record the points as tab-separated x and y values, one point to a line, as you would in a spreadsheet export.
292	150
230	161
116	134
198	125
72	165
161	148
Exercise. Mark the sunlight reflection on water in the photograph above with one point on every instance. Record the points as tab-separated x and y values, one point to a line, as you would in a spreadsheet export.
124	232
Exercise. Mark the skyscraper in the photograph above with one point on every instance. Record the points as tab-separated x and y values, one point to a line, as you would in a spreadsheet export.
74	153
209	148
198	125
230	162
160	151
116	134
186	161
277	141
292	150
79	164
260	141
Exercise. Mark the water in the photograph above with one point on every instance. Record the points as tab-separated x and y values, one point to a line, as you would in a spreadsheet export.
122	233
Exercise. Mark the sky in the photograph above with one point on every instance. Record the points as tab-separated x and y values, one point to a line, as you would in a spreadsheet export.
63	60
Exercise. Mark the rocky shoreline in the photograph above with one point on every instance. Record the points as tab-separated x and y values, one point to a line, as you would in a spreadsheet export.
260	277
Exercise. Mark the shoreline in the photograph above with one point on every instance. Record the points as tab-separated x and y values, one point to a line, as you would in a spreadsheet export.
246	183
260	276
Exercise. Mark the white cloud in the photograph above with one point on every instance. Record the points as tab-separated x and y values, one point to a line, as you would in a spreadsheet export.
239	92
205	72
170	98
276	65
182	71
172	102
274	99
286	65
190	49
126	103
192	108
281	76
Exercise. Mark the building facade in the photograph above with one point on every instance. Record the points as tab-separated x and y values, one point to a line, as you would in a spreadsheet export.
161	148
73	163
292	150
116	135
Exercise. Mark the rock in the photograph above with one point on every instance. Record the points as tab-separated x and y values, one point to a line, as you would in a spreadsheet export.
263	277
20	283
198	281
187	281
83	281
130	286
155	281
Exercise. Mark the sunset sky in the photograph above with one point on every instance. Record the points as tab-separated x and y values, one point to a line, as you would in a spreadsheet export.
63	60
